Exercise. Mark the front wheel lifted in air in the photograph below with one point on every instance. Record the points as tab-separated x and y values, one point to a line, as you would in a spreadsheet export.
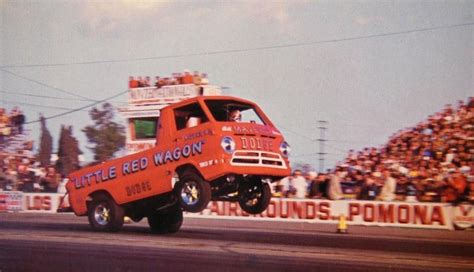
193	192
254	196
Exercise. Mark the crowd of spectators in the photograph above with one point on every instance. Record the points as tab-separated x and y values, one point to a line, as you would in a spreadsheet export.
175	79
11	124
25	174
18	169
432	162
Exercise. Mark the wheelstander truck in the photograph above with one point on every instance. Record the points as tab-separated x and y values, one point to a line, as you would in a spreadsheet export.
199	155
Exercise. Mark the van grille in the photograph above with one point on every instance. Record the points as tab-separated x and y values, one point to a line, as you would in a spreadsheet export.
257	158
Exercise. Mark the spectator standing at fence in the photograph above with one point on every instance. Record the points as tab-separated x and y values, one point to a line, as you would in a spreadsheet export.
289	183
300	184
14	120
470	192
313	181
4	124
12	179
401	189
335	190
50	180
19	121
285	186
323	180
411	191
456	187
389	187
432	191
369	188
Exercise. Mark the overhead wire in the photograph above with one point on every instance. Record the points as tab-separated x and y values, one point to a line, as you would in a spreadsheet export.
80	108
34	105
241	50
297	133
315	154
56	97
228	51
44	84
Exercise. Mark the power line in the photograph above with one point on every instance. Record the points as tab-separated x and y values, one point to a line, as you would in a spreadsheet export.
43	84
35	105
78	109
349	142
315	154
56	97
242	50
296	133
337	148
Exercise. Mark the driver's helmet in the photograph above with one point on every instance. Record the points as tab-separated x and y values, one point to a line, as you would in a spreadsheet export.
234	116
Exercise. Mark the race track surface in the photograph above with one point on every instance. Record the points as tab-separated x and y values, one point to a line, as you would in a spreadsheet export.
63	242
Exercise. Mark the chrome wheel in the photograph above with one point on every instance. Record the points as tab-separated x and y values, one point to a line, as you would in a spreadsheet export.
190	193
102	214
252	194
193	192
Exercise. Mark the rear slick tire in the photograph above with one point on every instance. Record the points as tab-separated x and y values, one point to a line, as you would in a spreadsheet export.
104	214
169	221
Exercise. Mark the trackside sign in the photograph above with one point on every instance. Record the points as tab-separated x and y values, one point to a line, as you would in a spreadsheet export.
369	213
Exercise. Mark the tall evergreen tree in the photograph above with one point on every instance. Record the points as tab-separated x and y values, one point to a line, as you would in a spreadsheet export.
106	135
68	151
46	144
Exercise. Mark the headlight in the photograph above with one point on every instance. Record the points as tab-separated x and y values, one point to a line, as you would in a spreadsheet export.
285	149
228	144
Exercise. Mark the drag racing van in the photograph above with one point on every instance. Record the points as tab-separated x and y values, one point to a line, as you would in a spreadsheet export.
207	148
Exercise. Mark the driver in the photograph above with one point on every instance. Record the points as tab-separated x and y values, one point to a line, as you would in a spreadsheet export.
234	116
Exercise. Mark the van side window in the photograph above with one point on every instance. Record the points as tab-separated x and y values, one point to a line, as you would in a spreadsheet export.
189	116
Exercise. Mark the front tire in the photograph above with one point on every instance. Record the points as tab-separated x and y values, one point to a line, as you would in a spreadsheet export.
104	214
254	196
169	221
193	192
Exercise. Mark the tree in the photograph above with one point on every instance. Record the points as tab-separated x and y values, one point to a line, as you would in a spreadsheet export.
106	135
46	144
68	152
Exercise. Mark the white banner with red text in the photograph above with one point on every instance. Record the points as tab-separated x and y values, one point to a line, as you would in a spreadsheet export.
41	202
369	213
11	201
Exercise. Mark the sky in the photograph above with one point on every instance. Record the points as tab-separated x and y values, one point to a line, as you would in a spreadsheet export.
367	68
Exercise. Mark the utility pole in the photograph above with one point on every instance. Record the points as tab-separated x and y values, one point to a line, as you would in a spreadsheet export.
322	128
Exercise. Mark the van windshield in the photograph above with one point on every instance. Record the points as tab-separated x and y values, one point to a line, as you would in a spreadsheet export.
234	111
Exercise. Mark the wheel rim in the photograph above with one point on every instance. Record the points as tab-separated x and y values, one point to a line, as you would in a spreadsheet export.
252	195
190	193
102	214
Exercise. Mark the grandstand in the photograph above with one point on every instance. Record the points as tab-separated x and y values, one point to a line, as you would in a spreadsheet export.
432	161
